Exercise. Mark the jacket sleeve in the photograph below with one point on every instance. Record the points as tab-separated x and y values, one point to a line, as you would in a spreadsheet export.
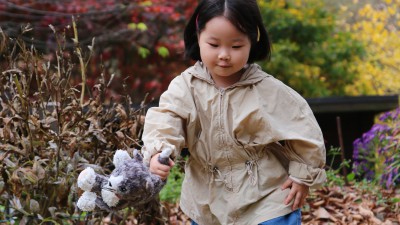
302	137
164	125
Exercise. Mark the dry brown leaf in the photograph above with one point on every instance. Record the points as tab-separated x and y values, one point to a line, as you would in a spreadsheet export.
318	203
375	220
322	213
379	209
121	111
387	222
38	170
365	212
339	214
357	217
336	200
306	217
120	135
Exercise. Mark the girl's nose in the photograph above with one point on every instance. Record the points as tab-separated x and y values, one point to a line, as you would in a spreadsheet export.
224	55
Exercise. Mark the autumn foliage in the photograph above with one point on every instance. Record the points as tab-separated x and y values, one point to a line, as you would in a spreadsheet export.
137	42
378	27
316	50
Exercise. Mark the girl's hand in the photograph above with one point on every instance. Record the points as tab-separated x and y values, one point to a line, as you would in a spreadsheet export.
160	169
298	193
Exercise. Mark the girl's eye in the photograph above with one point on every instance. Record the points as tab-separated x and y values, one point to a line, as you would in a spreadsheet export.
239	46
213	45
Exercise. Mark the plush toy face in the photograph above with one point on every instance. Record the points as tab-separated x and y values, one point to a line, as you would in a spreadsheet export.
132	181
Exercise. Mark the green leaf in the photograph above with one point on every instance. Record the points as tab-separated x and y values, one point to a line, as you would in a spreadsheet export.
146	3
143	52
395	200
351	176
142	26
163	51
132	26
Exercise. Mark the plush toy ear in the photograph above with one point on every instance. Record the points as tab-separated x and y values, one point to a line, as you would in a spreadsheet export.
137	155
120	156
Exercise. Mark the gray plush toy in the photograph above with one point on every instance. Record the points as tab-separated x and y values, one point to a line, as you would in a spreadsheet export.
129	185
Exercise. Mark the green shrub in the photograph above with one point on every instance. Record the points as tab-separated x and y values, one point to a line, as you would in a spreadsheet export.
172	190
335	176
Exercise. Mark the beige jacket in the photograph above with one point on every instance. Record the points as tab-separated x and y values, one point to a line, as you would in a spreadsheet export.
236	165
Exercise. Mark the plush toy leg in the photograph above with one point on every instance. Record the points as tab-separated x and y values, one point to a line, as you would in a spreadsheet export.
87	201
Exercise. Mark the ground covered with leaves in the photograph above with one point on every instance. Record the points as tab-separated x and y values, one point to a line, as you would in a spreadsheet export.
349	205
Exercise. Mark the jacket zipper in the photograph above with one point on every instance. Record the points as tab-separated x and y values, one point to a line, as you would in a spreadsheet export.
221	96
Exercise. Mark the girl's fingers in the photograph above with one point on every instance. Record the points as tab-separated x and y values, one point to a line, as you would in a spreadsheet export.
171	163
290	196
163	174
298	201
161	170
297	194
288	183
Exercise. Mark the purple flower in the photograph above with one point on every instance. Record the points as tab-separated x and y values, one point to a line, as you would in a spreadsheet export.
390	115
389	180
384	116
357	144
378	147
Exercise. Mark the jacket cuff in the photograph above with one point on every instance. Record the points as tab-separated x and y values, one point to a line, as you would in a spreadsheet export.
150	149
305	174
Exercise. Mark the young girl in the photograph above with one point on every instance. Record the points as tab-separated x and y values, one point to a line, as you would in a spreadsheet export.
255	146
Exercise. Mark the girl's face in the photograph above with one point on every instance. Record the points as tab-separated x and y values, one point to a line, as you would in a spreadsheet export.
224	50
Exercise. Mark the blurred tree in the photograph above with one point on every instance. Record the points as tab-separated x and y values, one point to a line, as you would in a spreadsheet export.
140	42
137	41
377	26
309	53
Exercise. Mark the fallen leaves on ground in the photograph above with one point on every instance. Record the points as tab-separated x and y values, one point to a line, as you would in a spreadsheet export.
335	205
350	206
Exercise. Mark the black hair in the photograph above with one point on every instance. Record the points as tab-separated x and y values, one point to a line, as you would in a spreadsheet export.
243	14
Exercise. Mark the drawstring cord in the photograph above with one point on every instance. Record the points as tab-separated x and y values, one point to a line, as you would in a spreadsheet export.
217	176
212	177
249	169
223	180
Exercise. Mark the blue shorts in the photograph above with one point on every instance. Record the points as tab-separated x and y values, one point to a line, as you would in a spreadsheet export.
293	218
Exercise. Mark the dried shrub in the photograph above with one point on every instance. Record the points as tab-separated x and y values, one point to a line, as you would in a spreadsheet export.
51	129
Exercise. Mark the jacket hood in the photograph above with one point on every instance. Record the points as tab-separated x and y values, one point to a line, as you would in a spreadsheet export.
251	75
